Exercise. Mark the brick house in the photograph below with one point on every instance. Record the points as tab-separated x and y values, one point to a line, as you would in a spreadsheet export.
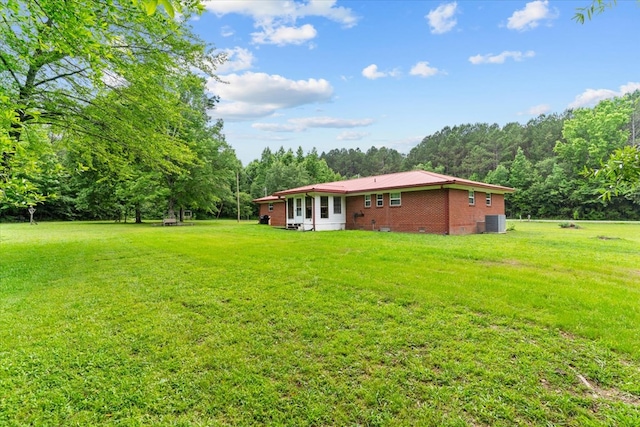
415	201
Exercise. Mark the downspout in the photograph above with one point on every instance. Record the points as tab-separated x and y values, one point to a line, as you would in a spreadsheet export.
446	208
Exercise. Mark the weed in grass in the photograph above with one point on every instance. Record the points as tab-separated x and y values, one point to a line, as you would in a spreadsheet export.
569	225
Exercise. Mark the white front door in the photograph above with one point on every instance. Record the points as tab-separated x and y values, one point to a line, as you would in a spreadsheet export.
298	213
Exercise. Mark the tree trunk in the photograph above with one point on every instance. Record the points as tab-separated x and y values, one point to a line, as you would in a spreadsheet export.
138	215
170	212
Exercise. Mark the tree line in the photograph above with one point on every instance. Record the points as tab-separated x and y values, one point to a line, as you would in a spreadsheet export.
558	163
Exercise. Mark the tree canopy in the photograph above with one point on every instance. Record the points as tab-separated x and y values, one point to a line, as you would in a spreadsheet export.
62	65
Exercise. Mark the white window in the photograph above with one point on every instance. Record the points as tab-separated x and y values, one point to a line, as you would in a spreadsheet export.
488	199
270	207
337	205
308	207
324	206
472	197
298	207
367	200
379	200
394	199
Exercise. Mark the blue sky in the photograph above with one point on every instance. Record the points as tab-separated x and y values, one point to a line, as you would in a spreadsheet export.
347	74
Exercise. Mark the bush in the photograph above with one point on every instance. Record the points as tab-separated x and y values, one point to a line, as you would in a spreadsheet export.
568	225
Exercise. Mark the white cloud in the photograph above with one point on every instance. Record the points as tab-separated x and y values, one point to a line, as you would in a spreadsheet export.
302	124
403	145
536	110
352	136
238	59
423	69
282	36
331	122
275	127
591	97
501	58
226	31
371	72
286	11
630	87
530	17
327	9
441	19
251	95
275	19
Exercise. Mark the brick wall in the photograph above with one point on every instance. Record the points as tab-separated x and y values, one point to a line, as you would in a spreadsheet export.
464	218
420	211
425	211
278	214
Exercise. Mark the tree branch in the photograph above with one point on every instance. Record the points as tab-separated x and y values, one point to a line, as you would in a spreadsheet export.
6	64
60	76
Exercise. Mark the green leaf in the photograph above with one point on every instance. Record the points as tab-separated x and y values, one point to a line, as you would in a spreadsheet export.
168	7
151	6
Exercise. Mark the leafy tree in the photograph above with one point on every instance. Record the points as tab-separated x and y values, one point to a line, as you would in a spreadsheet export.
429	167
57	58
210	176
591	134
498	176
379	161
620	174
32	171
521	177
169	6
284	169
348	163
317	168
521	173
282	175
595	8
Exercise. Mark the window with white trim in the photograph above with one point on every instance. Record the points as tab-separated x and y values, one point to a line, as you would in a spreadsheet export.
395	199
367	200
488	199
472	197
379	200
337	205
308	207
270	207
298	207
324	206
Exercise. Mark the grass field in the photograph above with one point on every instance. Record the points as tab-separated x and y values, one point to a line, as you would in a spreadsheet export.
239	324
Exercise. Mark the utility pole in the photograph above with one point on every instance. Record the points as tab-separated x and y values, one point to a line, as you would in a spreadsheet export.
633	122
238	193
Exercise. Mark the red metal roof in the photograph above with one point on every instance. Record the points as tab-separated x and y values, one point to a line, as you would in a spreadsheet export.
268	199
400	180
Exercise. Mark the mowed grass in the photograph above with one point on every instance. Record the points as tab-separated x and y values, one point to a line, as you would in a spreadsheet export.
240	324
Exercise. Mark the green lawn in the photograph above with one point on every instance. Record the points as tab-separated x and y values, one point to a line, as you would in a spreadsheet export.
240	324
